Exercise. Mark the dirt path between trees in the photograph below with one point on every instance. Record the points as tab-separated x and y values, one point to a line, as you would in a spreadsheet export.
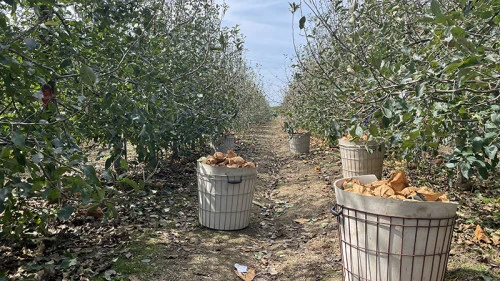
292	234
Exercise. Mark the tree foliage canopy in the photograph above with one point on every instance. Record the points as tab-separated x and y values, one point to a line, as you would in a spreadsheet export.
412	74
162	75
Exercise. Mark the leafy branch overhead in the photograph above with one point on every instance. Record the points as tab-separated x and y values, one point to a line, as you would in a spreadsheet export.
151	79
418	77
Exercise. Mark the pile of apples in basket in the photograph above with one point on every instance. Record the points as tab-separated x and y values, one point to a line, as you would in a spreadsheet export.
396	187
229	159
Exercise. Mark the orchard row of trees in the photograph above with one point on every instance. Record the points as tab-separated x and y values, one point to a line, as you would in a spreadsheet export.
162	75
411	74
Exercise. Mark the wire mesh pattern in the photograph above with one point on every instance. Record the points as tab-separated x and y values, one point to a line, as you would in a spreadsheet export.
389	248
299	143
357	161
225	202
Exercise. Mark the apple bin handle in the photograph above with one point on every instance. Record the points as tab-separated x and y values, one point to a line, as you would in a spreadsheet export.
334	210
235	181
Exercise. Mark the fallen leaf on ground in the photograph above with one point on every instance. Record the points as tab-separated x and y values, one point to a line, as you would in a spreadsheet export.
481	235
496	239
301	221
133	278
272	271
249	276
95	212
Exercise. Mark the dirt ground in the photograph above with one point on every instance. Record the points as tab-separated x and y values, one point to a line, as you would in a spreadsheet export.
292	234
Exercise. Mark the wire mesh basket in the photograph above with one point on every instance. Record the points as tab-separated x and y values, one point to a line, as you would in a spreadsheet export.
392	240
357	160
299	143
225	196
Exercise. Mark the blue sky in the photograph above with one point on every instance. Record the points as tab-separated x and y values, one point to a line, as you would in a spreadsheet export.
267	27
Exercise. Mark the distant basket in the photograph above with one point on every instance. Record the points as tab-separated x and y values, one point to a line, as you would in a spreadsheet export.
225	196
383	239
224	143
357	161
299	143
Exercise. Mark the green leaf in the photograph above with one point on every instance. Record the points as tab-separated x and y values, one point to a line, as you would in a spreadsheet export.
294	7
302	22
373	130
387	112
130	182
436	8
108	163
477	144
359	131
60	171
495	118
65	63
68	262
432	144
496	20
452	67
87	75
52	194
26	187
123	164
98	195
66	212
37	158
458	32
414	134
470	62
491	151
483	173
465	169
30	43
51	23
420	88
451	165
18	139
19	156
90	173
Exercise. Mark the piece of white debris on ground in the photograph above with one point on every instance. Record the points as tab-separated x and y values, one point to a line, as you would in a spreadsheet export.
241	268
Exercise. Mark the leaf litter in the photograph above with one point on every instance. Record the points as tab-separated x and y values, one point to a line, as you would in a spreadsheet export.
87	246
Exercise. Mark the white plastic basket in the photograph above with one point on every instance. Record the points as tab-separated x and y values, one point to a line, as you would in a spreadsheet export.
357	161
384	239
225	196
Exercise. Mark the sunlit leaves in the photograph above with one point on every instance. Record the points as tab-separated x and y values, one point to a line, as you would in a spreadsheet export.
436	8
431	83
87	75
